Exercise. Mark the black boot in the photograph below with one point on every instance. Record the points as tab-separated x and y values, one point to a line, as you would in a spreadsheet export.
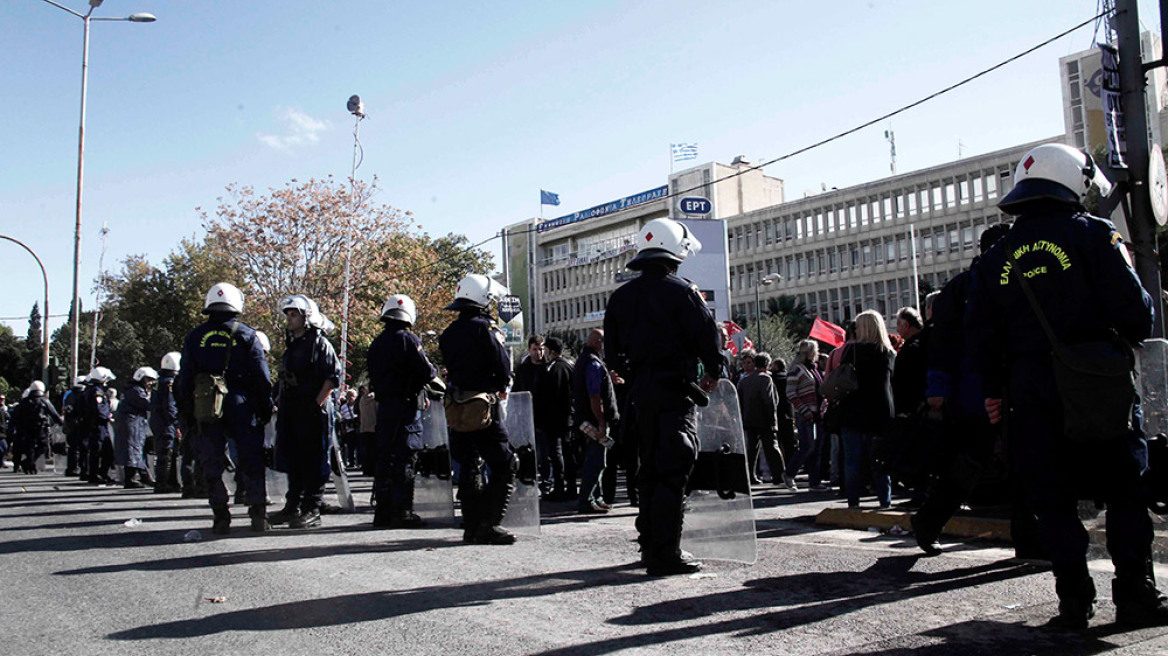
490	531
1138	603
259	518
309	518
926	538
222	523
470	497
132	482
285	515
1076	602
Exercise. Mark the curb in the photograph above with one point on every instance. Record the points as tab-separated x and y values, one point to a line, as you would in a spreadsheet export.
960	527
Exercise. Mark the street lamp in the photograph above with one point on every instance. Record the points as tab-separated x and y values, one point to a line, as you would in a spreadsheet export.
768	279
45	321
75	313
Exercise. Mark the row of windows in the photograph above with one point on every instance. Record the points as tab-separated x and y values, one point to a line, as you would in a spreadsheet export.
593	245
841	304
931	198
575	309
574	277
931	242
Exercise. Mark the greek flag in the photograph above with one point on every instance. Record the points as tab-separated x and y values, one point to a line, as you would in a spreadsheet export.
684	152
548	198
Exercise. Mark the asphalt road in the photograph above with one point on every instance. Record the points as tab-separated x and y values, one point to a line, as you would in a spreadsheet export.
75	579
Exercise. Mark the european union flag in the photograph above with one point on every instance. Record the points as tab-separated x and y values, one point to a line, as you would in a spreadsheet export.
548	198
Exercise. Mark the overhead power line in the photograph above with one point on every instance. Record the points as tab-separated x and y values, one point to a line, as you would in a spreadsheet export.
823	142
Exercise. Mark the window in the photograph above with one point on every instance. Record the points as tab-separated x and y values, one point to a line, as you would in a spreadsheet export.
954	244
819	226
867	254
967	237
852	216
864	214
890	249
769	230
811	268
901	248
879	252
937	201
888	212
787	234
798	228
950	195
940	239
912	202
833	260
977	192
991	187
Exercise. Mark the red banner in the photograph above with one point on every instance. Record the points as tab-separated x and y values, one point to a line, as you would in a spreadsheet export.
827	332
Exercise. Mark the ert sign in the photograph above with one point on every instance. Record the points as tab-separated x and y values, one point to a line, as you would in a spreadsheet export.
695	205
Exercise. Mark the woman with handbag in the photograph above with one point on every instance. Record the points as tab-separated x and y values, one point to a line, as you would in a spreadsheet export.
866	412
803	381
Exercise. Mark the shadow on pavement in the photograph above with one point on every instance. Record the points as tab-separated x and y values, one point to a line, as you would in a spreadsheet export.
372	606
803	599
266	556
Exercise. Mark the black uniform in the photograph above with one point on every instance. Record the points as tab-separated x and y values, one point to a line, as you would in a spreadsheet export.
302	426
71	412
398	370
96	441
36	415
1074	266
246	409
657	330
476	362
164	426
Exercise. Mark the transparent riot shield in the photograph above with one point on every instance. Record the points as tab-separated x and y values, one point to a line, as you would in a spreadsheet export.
719	518
340	476
1152	363
433	486
276	481
518	420
57	449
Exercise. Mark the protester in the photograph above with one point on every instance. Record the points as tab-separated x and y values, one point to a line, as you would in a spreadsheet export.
865	413
802	389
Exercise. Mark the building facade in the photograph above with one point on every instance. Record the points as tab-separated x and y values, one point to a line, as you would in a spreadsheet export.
849	250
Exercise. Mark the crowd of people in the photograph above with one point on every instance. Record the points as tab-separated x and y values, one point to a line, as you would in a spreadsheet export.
978	358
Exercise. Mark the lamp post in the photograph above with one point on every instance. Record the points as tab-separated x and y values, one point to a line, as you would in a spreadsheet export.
761	280
45	321
75	313
357	109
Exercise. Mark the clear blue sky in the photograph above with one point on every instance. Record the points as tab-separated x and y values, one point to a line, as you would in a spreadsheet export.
473	107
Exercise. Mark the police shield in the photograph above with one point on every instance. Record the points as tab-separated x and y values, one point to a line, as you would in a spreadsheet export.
719	518
518	421
340	476
1152	361
276	481
433	485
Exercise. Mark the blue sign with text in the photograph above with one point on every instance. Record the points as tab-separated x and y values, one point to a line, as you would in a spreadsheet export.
695	205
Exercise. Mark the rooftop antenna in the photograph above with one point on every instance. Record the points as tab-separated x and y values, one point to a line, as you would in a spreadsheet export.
891	137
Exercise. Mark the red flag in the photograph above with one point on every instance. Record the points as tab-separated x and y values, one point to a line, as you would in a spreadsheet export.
738	338
827	332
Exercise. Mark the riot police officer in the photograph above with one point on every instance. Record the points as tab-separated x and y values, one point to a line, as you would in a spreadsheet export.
657	331
36	415
224	388
309	372
478	366
164	425
1079	275
398	371
96	417
75	464
131	426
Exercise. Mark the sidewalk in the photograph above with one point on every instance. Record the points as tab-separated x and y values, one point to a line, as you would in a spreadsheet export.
832	511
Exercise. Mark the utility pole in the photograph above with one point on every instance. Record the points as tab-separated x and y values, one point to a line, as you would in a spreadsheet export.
1141	223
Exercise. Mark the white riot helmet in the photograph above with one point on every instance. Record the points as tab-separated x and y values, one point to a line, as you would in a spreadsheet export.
101	375
36	389
664	239
1054	172
265	342
317	319
307	307
171	361
145	372
476	291
400	307
80	381
223	297
24	394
